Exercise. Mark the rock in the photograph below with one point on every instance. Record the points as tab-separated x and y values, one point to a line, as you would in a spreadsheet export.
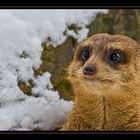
56	60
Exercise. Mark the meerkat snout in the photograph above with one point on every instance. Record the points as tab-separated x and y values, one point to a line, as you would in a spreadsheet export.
89	70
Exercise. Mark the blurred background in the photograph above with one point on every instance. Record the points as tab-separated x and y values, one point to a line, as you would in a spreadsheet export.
55	60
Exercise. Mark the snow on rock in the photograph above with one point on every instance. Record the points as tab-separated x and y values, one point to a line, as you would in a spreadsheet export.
45	112
21	34
41	83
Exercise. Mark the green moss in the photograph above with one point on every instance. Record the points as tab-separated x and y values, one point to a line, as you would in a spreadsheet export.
26	89
37	72
74	28
48	60
63	57
54	60
48	53
31	83
62	85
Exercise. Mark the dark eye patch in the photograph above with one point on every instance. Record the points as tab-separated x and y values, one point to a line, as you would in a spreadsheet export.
84	54
115	57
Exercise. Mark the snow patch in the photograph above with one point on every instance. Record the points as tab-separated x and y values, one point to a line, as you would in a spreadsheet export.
21	35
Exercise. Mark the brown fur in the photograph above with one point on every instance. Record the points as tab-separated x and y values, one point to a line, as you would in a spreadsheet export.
109	99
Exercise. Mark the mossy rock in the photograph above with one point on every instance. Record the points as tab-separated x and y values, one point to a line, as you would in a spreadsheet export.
56	60
48	60
27	89
62	85
101	24
74	28
125	22
63	57
117	21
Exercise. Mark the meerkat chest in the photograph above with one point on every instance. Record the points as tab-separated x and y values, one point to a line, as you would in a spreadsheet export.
119	117
104	116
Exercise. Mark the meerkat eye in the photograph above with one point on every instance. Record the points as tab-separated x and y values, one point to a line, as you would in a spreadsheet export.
115	57
85	53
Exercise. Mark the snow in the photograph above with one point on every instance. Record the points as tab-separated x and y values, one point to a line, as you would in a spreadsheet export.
21	34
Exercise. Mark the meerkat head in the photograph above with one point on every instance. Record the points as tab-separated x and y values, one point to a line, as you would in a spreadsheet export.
106	63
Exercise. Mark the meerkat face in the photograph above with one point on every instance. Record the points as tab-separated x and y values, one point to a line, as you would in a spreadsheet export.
104	62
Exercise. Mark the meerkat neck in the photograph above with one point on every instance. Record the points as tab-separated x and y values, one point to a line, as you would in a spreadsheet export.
106	112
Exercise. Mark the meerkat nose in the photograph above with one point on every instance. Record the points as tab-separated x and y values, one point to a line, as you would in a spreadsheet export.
89	70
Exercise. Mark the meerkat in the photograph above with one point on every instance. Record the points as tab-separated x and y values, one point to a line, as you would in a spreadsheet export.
105	76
